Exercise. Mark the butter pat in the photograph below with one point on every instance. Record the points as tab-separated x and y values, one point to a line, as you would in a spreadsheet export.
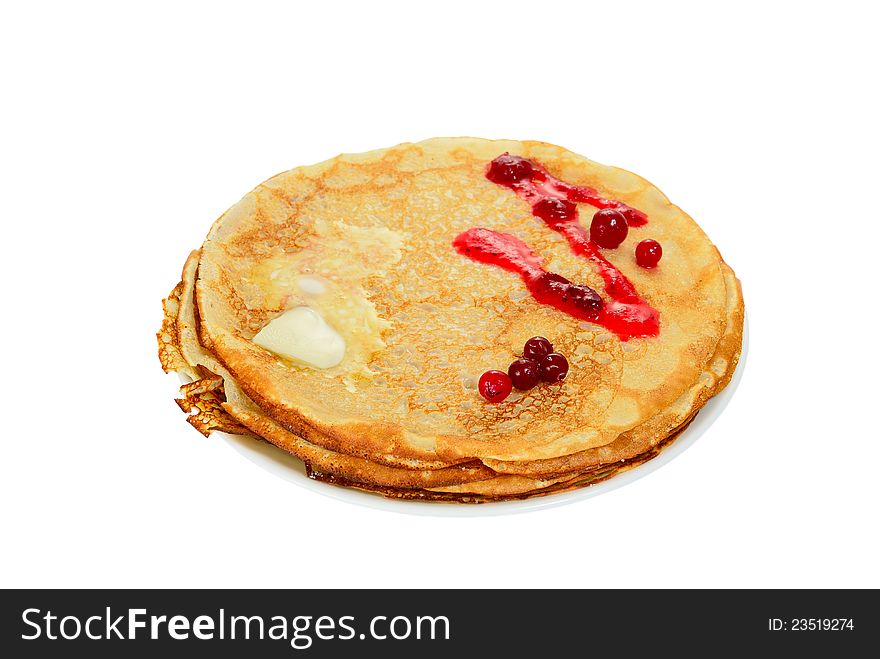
303	335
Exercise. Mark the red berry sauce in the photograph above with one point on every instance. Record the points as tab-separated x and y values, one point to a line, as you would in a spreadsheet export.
555	202
535	184
509	252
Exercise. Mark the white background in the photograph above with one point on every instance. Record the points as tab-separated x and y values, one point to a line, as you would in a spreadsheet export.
126	131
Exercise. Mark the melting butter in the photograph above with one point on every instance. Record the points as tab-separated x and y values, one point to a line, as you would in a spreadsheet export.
303	335
311	285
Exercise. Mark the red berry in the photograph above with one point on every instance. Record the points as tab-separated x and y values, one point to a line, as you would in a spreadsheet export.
585	299
495	386
553	368
507	169
524	373
648	253
549	283
554	211
536	348
608	228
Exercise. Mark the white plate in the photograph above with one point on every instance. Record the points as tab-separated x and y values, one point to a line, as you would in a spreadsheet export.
291	469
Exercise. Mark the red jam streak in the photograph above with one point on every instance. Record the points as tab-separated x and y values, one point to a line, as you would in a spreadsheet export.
537	186
625	314
555	202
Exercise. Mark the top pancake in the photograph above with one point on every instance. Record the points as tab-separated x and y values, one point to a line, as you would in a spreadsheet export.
422	322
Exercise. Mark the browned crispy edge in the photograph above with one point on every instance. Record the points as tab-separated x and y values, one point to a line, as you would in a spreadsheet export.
202	399
592	476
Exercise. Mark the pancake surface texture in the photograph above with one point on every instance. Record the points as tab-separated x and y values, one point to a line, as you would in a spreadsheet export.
366	242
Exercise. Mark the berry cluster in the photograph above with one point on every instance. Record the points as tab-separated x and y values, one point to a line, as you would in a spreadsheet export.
538	363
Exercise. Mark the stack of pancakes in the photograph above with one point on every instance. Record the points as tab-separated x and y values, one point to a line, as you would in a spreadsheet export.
401	414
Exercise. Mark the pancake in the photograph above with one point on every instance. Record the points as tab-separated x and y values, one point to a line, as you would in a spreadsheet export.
215	398
179	336
400	413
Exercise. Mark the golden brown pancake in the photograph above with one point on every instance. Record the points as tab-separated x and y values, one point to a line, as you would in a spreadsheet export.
240	415
421	322
465	480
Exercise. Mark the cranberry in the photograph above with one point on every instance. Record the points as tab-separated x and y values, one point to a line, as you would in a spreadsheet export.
608	228
495	386
585	299
524	373
536	348
648	253
553	367
554	211
507	169
550	282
